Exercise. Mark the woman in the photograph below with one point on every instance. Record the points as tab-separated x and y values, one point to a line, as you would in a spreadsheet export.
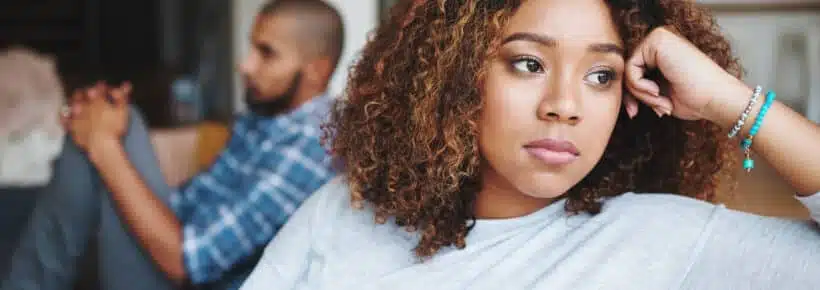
492	145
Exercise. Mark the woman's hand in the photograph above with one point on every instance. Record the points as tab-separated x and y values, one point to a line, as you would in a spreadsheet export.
700	89
95	119
694	80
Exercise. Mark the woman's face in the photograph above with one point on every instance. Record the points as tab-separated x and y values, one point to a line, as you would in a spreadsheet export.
551	97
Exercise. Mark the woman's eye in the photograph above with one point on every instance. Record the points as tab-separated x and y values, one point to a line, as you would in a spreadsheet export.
600	78
528	65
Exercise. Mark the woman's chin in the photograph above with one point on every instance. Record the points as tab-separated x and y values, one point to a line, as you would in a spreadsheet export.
546	187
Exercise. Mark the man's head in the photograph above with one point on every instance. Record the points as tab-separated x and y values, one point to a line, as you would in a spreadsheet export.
295	48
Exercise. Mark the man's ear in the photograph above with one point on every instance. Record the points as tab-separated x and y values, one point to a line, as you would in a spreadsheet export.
319	70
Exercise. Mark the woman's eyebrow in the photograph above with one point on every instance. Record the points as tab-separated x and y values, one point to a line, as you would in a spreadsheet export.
549	41
541	39
606	48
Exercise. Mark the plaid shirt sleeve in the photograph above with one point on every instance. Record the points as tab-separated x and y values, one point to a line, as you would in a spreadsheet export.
233	210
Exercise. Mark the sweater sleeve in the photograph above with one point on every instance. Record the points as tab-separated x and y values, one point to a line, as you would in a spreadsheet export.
745	251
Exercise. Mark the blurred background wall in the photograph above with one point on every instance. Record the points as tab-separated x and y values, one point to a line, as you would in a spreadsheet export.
778	43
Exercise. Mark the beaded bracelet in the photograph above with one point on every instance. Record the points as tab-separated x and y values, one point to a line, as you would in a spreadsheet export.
748	163
745	115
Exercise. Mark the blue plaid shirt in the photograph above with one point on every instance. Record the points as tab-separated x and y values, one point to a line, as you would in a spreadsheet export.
232	210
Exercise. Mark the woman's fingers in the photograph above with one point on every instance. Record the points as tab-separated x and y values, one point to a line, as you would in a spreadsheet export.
642	88
661	105
631	105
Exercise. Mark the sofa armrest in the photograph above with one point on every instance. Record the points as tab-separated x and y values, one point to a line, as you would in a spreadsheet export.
175	149
182	152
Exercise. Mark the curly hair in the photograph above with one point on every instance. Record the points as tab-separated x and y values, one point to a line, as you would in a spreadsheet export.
405	136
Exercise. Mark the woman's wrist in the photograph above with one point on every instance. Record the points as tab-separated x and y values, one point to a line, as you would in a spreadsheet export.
728	104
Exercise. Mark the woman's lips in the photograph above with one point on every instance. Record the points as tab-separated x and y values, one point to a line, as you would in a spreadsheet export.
552	151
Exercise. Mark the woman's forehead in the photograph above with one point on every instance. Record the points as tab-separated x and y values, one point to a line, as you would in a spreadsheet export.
586	20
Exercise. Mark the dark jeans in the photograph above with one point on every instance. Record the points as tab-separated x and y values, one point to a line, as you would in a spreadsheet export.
76	210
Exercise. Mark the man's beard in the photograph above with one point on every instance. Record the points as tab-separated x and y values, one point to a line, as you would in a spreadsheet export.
277	105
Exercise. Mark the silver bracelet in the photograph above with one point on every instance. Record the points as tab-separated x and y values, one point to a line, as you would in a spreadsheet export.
745	115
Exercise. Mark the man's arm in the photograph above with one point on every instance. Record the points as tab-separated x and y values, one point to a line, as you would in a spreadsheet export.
230	211
160	230
154	224
97	122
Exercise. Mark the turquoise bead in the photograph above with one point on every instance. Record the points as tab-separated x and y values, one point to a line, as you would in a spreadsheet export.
770	95
748	164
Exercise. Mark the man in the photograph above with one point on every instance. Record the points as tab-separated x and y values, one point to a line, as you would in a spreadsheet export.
211	231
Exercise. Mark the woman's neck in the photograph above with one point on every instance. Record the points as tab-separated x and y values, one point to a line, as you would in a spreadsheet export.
499	199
